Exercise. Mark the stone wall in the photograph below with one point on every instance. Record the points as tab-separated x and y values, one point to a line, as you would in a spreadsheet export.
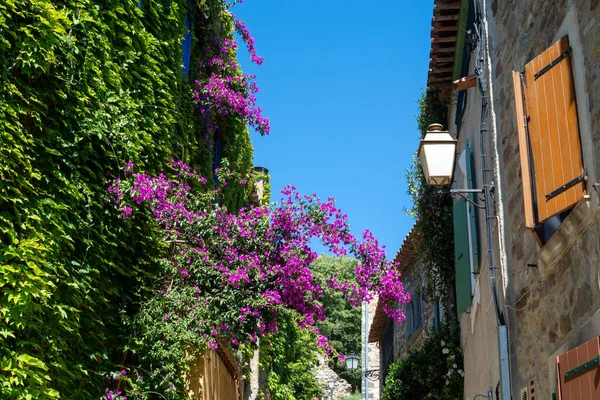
413	277
342	388
552	293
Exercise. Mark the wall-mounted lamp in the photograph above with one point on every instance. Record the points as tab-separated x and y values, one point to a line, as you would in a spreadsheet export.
437	155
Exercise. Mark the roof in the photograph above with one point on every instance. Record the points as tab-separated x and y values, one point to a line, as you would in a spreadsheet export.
405	256
444	28
408	250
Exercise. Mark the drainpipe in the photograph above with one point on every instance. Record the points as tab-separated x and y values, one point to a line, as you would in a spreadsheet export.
487	189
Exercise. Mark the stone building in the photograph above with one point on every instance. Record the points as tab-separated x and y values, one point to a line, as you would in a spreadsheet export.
525	91
396	340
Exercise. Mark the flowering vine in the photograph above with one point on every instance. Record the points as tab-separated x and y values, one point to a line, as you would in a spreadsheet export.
229	277
221	89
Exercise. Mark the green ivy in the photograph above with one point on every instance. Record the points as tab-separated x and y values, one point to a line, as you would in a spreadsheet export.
433	212
432	372
290	359
85	86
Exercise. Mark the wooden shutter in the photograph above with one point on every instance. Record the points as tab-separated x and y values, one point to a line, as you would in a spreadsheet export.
461	258
549	143
472	214
578	372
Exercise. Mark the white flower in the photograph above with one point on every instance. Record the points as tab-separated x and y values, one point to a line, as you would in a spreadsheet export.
443	343
445	350
454	366
452	357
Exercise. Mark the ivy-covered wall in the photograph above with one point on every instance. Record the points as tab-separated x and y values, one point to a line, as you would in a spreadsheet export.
432	210
86	86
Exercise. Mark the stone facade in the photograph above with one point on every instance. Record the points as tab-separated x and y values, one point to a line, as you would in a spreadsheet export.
553	295
394	341
549	295
404	341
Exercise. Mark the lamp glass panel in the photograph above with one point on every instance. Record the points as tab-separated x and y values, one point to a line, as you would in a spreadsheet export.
438	162
351	361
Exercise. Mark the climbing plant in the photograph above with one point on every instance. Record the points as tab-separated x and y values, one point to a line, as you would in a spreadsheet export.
433	213
432	372
290	359
86	85
232	278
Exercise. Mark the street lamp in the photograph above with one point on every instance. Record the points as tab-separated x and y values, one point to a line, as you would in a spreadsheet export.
352	361
437	153
331	385
352	365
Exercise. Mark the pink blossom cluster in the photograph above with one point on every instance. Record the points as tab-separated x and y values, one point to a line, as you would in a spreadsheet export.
243	270
221	89
241	29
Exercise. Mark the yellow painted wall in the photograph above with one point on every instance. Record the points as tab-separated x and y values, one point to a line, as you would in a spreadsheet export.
210	379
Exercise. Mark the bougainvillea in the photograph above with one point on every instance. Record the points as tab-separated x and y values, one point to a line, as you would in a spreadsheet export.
230	276
221	88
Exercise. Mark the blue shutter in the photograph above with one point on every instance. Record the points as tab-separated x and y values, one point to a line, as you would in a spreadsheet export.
187	46
409	319
139	4
461	258
472	209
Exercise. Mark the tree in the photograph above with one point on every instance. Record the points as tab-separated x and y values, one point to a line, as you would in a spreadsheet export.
343	324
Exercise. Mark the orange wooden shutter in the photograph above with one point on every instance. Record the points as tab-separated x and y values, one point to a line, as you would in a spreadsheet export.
577	381
553	132
524	151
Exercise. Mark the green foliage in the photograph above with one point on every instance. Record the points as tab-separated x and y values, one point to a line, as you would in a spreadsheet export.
85	86
432	372
290	356
433	212
343	324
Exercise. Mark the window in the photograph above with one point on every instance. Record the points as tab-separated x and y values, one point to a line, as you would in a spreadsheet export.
409	319
577	372
418	300
187	46
437	315
414	312
549	144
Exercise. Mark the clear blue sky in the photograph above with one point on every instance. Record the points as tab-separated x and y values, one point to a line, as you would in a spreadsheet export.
340	84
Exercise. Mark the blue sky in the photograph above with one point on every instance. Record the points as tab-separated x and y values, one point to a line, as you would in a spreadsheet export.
340	84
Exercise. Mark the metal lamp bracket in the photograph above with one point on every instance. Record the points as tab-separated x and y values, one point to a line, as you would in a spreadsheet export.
462	192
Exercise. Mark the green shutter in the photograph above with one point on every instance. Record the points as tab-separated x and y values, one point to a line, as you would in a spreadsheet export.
461	256
472	209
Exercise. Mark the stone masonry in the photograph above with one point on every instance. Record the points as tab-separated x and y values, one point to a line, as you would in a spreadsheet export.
553	295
